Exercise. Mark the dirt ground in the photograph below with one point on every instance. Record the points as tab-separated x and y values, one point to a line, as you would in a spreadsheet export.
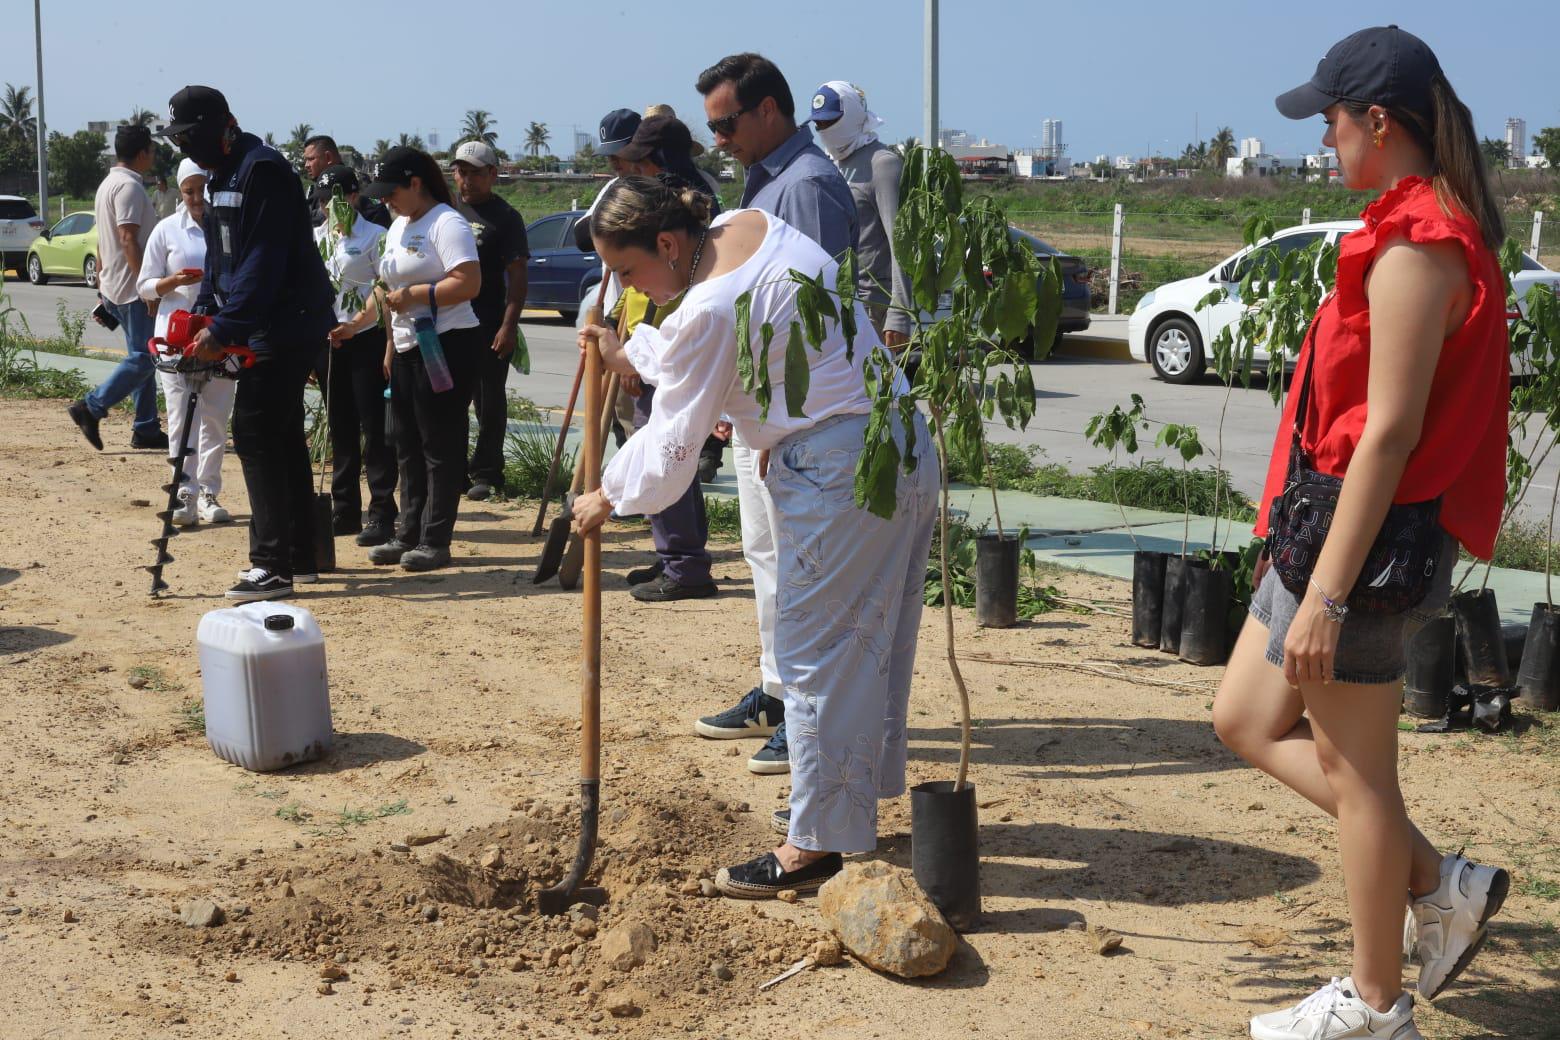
1105	799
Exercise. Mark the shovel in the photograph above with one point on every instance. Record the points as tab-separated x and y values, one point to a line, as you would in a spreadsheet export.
569	569
557	899
563	433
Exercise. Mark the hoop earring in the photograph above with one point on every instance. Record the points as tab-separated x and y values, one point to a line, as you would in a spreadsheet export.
671	265
1381	136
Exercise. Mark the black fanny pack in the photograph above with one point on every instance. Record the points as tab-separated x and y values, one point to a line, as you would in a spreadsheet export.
1402	560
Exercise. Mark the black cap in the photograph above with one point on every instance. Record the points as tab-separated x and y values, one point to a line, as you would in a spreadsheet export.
333	177
1379	66
278	622
395	170
616	130
666	133
195	106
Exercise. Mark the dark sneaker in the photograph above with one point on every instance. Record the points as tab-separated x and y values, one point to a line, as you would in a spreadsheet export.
156	439
709	465
756	715
780	821
425	558
259	583
481	491
82	416
643	574
374	533
773	758
344	525
763	878
664	590
387	553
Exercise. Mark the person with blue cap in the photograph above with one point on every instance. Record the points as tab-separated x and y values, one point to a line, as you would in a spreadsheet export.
847	129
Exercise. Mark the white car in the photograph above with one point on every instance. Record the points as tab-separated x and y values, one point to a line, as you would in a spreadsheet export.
19	225
1171	334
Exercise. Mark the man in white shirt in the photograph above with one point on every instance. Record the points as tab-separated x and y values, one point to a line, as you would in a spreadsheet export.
125	218
165	198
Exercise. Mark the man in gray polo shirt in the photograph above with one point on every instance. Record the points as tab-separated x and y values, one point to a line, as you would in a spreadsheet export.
753	117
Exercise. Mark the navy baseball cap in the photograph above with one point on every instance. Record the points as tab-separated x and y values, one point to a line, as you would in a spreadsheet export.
616	130
826	105
193	106
1379	66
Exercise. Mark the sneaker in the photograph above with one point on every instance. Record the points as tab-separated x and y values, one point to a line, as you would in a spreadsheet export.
763	878
82	416
259	583
1446	928
211	511
185	515
425	558
481	491
756	715
298	578
345	525
665	590
780	821
374	533
156	439
641	575
387	553
773	758
1335	1012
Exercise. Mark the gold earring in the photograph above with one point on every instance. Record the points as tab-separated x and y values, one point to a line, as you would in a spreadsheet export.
1381	136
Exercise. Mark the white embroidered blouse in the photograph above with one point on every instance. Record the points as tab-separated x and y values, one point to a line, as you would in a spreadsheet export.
691	360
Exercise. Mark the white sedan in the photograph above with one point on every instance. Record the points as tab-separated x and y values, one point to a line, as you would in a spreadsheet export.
1171	334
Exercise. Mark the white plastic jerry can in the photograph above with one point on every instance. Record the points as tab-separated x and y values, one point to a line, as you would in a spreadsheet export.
262	668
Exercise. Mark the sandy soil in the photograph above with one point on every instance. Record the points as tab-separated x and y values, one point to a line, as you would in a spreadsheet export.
1105	799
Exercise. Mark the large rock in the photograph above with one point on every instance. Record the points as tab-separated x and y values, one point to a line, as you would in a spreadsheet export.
886	921
628	945
200	913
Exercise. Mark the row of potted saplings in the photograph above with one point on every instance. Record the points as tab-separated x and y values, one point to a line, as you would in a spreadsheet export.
1469	646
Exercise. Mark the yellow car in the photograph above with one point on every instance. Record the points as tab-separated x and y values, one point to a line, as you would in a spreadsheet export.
66	250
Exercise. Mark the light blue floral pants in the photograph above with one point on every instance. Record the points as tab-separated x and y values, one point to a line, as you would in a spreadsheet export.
849	599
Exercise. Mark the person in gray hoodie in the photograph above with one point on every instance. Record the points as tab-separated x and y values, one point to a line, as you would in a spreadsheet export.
847	129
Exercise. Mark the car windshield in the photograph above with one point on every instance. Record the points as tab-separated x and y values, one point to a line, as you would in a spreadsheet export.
1528	263
16	209
1236	271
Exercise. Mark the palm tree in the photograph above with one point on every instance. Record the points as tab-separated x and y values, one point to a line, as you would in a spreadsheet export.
300	133
16	114
479	127
141	117
412	141
381	146
903	147
1222	147
536	136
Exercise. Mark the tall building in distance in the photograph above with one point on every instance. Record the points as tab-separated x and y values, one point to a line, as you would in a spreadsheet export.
1051	144
1251	147
949	139
1516	141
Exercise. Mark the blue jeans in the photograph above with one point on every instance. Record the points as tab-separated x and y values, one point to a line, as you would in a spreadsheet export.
136	374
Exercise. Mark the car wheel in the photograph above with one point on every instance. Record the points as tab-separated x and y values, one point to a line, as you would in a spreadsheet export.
89	272
1175	350
35	270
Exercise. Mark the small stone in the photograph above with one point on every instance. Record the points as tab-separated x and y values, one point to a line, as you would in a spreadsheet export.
881	915
449	799
626	1003
786	895
517	964
200	913
492	858
324	989
400	846
430	913
584	912
69	917
733	751
628	945
332	972
721	972
1255	807
585	928
707	888
1105	941
139	681
690	887
231	976
120	758
427	838
287	890
826	953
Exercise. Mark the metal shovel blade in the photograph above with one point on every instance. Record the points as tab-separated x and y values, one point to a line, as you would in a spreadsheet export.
557	542
557	899
573	563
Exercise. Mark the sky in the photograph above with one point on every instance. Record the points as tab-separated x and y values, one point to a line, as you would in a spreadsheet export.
1126	77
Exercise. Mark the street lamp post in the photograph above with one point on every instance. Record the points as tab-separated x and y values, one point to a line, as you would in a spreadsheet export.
929	125
43	151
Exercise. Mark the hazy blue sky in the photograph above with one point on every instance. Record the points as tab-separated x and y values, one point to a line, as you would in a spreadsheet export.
1127	76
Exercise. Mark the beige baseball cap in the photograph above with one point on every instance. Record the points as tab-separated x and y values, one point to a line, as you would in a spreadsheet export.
476	153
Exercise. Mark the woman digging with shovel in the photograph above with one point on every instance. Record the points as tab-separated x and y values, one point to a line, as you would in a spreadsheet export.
1391	451
849	582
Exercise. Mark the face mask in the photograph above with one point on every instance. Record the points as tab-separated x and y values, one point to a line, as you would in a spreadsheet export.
838	140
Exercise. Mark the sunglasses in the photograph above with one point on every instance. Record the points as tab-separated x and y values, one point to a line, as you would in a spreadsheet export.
725	125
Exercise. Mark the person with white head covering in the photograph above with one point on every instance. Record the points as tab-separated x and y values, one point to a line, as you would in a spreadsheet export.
847	129
171	272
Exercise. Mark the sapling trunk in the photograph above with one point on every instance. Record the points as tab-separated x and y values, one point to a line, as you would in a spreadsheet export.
947	598
1549	550
1186	500
991	482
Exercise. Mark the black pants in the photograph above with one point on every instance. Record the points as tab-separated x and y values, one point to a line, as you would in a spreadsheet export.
492	405
269	440
358	443
432	433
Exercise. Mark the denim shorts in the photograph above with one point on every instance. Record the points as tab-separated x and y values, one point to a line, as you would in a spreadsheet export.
1373	647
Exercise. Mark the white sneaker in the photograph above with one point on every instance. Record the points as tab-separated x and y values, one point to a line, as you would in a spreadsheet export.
1447	927
185	515
1335	1012
211	511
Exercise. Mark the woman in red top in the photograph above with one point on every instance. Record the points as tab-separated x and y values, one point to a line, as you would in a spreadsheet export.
1407	404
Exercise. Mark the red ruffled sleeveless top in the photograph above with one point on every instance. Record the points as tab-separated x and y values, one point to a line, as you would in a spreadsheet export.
1462	449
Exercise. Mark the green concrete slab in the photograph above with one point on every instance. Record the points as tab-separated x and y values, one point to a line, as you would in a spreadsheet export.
1046	515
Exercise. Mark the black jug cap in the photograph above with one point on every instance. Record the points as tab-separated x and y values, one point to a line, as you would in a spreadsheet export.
278	622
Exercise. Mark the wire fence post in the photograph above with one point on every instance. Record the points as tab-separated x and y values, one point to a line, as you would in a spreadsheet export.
1115	259
1538	228
1305	216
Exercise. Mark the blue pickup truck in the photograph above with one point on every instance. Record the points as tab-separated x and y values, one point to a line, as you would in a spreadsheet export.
559	275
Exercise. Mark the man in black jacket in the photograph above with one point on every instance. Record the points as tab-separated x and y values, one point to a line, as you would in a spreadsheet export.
265	287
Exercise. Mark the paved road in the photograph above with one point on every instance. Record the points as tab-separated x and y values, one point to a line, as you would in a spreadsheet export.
1069	389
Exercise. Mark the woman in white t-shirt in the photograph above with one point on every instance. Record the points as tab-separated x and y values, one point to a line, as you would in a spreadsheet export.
849	582
171	272
351	246
429	270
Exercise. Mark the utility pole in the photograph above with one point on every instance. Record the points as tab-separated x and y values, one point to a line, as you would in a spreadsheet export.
43	151
929	125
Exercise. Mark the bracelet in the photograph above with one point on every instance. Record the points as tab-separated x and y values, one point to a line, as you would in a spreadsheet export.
1333	610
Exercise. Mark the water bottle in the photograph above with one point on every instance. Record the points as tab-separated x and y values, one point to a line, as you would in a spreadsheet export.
433	356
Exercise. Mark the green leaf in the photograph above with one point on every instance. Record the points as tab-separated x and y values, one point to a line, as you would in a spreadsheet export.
877	478
521	358
764	393
744	309
1024	395
798	374
1020	301
845	286
907	417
